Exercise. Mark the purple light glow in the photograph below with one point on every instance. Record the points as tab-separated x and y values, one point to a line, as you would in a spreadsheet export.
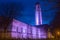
37	18
24	31
38	15
14	35
34	32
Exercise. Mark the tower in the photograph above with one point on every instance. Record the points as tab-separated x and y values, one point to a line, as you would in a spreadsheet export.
38	14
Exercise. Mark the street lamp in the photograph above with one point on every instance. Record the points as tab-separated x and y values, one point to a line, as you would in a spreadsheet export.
58	33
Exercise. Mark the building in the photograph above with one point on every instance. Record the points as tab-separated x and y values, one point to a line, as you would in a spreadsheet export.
18	29
23	30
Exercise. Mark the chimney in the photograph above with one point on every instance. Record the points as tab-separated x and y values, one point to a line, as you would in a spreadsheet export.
38	14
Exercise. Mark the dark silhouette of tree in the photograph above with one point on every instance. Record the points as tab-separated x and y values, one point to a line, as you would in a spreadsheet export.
9	11
55	24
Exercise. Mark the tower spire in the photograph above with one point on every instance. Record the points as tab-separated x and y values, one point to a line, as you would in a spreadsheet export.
38	14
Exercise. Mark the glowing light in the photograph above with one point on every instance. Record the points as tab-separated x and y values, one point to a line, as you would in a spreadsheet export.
37	18
34	32
39	34
40	17
58	33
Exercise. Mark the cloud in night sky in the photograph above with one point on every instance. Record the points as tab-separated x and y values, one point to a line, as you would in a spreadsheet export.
24	10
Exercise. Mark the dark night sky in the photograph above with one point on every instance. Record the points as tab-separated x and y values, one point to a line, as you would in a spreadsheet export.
24	10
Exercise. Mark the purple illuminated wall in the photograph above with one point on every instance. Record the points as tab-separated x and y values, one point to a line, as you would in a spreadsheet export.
34	32
22	30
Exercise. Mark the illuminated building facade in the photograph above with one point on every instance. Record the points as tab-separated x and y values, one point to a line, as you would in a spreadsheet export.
23	30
